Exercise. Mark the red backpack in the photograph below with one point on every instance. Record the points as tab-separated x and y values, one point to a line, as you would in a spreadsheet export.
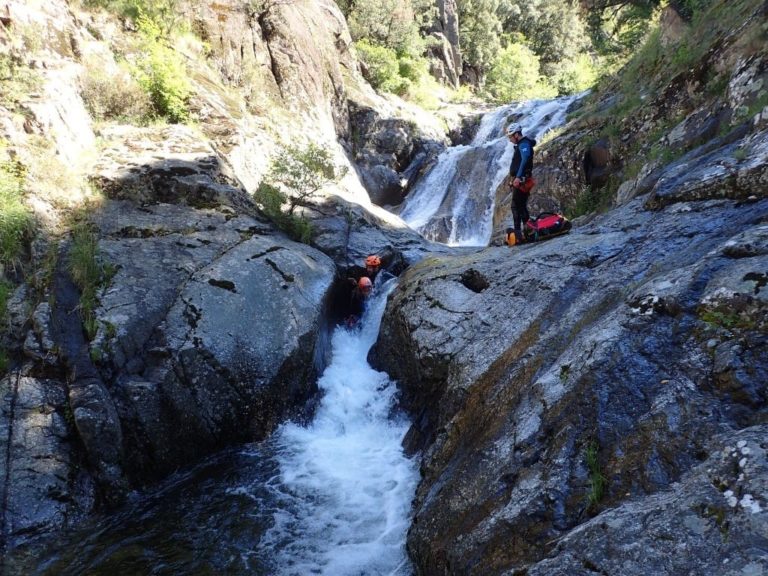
546	225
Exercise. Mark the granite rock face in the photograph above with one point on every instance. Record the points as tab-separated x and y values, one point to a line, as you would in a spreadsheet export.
211	330
618	352
445	53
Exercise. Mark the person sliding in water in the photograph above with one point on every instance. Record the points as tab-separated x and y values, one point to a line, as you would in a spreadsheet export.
357	300
375	270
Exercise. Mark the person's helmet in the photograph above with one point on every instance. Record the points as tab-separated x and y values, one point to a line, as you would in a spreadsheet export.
514	129
373	260
364	283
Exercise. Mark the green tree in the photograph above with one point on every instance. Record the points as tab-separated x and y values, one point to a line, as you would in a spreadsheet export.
480	32
297	174
302	171
553	29
618	26
394	24
514	74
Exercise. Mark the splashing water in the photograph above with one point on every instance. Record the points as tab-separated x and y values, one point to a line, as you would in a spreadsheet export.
454	202
345	486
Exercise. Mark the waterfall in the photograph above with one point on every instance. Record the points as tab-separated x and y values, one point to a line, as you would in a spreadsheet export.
345	487
454	202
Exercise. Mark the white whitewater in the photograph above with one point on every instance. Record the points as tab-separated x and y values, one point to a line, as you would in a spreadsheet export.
454	202
344	490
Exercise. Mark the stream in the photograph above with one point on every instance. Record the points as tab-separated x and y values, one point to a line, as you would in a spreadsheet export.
331	498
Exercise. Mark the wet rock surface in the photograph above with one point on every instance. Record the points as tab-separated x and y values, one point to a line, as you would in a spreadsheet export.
209	331
618	352
41	484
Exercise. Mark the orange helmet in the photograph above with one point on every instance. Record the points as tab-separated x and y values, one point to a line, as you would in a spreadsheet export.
373	260
364	283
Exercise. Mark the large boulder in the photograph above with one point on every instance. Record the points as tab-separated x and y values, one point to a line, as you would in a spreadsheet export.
389	149
715	506
211	329
551	383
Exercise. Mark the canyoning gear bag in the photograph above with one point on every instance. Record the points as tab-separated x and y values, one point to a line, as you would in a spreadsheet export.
546	225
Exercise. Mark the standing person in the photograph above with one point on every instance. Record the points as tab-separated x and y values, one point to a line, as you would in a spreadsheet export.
520	177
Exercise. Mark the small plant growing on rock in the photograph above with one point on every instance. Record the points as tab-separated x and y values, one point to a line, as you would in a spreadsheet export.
16	221
296	176
597	481
88	271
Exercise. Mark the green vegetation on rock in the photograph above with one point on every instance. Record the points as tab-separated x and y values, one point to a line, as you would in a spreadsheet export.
297	174
89	271
16	221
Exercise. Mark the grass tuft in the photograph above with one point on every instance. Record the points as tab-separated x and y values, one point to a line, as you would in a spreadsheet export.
597	480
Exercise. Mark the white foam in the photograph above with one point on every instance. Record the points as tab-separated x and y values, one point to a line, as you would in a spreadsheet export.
345	486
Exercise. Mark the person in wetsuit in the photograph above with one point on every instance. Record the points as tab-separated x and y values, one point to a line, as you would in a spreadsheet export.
520	177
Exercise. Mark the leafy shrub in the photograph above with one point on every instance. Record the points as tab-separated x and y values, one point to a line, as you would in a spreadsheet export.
271	200
574	76
592	200
382	69
296	175
114	94
425	93
514	74
16	222
164	13
161	71
463	93
413	69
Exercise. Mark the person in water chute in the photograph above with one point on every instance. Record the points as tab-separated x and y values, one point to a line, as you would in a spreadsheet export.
383	266
357	300
372	266
520	177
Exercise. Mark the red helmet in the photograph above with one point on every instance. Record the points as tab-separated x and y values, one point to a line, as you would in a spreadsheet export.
373	260
364	283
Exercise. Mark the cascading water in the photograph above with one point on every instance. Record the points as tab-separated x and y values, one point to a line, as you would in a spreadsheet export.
332	498
454	202
345	484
